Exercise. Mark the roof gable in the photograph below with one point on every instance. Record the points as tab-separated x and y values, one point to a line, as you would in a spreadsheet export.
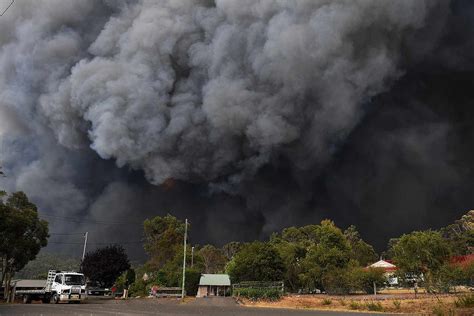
215	279
382	264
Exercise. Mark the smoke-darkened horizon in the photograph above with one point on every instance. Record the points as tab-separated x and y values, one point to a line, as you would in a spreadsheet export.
243	116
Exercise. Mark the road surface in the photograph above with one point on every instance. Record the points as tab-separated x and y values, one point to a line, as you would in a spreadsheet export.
208	307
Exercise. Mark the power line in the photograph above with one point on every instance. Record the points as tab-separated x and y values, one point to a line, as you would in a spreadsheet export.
11	3
61	234
95	243
91	221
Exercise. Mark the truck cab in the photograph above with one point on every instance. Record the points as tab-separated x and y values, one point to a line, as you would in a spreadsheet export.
68	287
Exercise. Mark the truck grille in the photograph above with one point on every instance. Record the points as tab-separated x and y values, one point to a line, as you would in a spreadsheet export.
75	290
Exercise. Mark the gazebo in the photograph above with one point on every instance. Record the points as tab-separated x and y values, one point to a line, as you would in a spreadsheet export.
213	285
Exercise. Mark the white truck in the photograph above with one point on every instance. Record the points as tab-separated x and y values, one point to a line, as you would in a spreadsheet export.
61	286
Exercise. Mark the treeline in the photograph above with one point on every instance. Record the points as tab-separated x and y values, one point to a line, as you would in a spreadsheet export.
22	235
309	258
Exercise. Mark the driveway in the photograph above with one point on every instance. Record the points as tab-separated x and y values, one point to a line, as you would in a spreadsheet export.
210	307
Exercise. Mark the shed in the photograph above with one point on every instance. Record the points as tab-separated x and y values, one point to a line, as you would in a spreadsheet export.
213	285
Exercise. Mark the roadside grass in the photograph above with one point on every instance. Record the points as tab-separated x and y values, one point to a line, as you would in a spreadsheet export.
444	305
442	310
327	301
397	304
354	305
465	301
374	307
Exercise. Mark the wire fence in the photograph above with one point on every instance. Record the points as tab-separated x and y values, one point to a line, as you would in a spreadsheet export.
261	285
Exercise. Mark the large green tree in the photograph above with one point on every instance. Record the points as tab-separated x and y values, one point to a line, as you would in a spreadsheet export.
22	234
104	265
256	261
420	252
164	236
330	251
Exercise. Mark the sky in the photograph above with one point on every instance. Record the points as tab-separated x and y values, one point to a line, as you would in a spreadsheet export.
243	116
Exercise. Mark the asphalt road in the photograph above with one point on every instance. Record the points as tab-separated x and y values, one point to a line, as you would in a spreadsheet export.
154	307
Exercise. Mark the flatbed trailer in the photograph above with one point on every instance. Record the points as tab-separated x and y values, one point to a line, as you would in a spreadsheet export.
57	289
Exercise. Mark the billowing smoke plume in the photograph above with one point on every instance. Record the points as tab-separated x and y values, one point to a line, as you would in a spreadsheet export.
246	116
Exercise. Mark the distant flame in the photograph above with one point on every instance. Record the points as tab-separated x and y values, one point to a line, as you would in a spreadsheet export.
168	184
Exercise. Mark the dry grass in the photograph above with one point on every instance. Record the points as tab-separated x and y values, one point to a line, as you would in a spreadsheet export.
424	304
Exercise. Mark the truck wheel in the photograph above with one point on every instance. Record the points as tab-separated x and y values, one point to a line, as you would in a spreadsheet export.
46	300
26	299
55	298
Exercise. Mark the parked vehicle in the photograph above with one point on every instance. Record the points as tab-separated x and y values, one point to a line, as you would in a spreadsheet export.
61	286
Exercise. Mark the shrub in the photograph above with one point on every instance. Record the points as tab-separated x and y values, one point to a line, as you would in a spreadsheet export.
376	307
342	302
440	310
446	278
354	305
397	304
337	281
327	301
364	279
465	301
138	288
125	280
259	294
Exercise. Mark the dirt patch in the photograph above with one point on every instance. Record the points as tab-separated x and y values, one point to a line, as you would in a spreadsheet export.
399	303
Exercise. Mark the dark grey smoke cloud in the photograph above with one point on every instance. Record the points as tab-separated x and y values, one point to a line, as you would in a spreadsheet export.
245	116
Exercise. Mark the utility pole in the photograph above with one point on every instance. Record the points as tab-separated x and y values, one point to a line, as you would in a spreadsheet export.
192	256
184	257
85	245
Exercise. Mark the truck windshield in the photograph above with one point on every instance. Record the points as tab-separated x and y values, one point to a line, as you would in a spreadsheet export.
74	279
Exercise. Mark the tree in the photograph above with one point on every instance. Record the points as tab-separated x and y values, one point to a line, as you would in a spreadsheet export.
38	268
360	250
332	250
163	238
212	258
104	265
460	235
22	234
292	253
330	253
256	261
231	249
420	252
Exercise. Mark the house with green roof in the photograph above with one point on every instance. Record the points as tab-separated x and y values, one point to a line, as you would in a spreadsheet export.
214	285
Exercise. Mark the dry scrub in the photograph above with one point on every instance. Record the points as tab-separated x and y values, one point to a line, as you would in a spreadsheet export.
424	304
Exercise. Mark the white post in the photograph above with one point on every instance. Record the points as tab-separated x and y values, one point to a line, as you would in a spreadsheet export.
184	257
85	245
192	256
375	289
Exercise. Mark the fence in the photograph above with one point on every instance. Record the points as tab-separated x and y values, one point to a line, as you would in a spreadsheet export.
166	292
279	285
